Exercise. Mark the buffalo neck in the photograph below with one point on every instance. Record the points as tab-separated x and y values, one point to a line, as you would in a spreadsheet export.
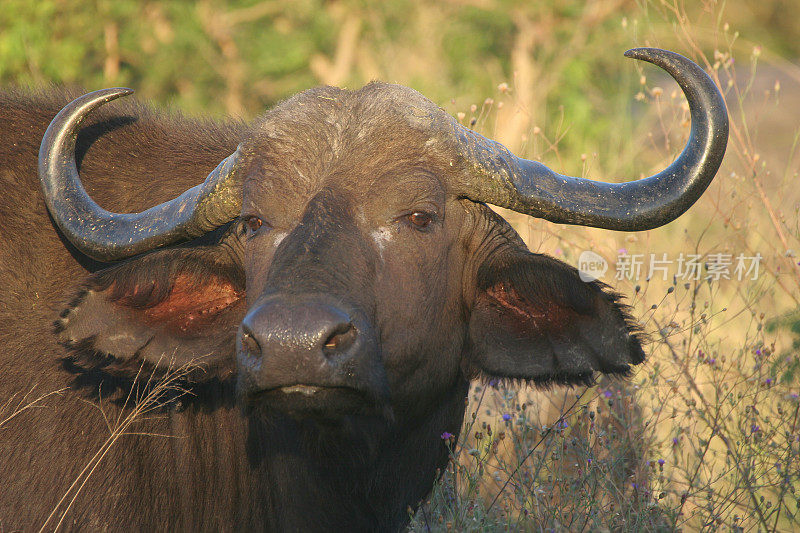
272	472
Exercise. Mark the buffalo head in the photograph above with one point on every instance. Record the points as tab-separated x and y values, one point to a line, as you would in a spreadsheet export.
348	263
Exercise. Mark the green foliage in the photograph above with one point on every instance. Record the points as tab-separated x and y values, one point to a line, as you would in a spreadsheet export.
242	56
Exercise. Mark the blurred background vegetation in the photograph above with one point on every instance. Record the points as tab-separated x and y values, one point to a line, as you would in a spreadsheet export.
562	60
242	56
706	435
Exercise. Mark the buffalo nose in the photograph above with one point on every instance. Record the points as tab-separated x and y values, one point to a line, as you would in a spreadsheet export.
321	329
308	342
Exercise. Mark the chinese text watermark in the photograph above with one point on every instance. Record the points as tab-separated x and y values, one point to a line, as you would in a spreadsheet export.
687	267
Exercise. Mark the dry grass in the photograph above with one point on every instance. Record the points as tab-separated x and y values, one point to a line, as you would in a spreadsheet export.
149	395
705	436
18	403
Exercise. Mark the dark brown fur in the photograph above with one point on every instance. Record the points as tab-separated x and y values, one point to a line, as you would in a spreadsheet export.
330	170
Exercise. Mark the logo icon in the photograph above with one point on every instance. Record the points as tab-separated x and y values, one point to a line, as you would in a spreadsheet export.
591	266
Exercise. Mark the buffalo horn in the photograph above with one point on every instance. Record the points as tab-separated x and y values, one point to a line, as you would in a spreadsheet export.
496	176
107	236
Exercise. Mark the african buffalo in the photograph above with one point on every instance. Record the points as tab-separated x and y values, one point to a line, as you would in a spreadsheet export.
326	296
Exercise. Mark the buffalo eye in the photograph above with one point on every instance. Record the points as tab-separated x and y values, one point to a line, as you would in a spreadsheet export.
253	224
419	219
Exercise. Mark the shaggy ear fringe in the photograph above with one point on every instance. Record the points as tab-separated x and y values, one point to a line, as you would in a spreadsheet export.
543	383
587	379
123	382
638	337
84	356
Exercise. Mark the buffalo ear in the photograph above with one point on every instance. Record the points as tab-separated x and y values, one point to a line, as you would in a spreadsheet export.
534	319
168	307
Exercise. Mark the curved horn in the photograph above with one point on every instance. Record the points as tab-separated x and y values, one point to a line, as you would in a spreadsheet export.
107	236
498	177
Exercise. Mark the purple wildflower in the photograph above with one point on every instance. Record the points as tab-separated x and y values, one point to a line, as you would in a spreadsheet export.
661	462
674	441
506	417
446	436
754	428
607	394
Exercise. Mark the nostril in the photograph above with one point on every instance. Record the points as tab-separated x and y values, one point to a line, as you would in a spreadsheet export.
250	345
342	338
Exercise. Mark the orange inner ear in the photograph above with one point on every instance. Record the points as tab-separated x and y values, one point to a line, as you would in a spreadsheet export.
192	305
543	316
